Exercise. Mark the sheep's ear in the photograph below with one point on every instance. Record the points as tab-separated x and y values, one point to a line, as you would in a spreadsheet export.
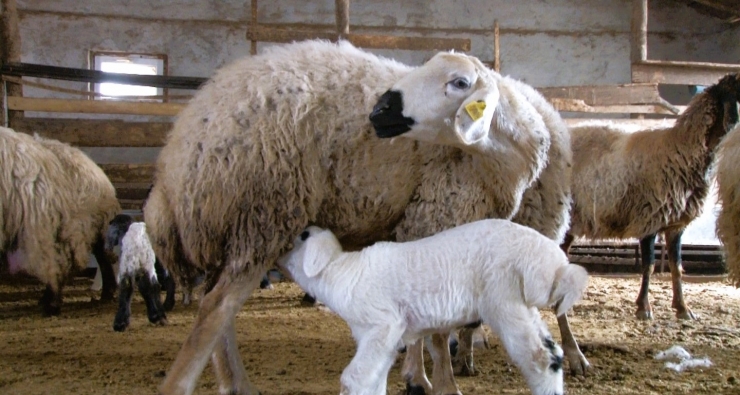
474	117
319	251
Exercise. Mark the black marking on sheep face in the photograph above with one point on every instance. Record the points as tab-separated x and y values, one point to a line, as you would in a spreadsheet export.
387	116
304	235
117	228
725	94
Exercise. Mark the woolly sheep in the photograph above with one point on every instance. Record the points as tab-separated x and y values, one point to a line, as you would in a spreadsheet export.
636	185
55	204
728	221
137	264
492	271
275	141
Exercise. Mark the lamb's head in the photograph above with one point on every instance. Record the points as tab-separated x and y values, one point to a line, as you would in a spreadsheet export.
312	250
117	228
451	92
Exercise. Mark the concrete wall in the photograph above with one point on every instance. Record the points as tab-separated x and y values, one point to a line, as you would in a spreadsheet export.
543	42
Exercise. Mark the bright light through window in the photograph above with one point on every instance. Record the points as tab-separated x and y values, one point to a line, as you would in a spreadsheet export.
127	64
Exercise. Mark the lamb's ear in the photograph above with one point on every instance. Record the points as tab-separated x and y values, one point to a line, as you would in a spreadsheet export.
319	251
474	117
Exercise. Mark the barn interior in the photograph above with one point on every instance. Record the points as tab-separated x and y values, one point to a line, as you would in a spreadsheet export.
110	78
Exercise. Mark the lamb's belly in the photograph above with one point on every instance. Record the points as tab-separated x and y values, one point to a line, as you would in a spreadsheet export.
435	315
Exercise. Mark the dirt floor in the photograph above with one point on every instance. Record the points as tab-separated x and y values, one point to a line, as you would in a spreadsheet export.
289	349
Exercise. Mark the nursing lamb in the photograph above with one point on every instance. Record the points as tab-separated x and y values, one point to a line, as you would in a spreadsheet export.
277	141
493	271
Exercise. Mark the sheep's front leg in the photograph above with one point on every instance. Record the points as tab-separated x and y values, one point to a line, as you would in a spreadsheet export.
125	293
367	373
217	309
413	372
647	253
228	365
674	261
443	381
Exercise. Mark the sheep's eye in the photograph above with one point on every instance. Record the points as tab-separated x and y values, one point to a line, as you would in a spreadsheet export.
460	83
305	235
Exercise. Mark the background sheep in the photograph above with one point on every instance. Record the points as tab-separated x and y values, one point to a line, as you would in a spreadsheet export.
55	204
137	263
636	185
275	141
728	221
493	271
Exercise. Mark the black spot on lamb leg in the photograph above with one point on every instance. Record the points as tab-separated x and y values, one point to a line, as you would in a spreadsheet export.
149	290
125	293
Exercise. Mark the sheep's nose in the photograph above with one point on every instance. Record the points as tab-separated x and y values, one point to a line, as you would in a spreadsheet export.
383	104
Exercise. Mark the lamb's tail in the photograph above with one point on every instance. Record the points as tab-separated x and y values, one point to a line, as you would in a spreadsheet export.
570	282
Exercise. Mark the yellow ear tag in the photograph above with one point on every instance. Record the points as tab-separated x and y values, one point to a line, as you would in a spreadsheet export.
475	109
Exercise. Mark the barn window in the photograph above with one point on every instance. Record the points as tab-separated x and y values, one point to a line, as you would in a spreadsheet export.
128	63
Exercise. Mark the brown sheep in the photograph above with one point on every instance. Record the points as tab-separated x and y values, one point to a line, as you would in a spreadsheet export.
728	221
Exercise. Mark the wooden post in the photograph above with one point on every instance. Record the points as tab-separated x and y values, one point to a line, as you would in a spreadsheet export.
253	25
342	13
638	39
10	51
496	47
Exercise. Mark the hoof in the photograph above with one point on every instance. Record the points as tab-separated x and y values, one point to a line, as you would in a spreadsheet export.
644	315
414	389
464	367
308	300
120	326
50	310
686	315
158	320
579	367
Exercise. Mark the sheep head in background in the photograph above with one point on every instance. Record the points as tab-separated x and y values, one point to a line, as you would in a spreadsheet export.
490	271
117	228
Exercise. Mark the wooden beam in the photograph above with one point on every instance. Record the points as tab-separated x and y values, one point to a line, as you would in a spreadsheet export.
97	133
681	73
83	75
496	47
138	174
286	35
601	95
10	51
252	25
93	106
342	15
132	191
638	36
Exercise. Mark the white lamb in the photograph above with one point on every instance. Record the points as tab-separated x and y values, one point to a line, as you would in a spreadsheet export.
493	271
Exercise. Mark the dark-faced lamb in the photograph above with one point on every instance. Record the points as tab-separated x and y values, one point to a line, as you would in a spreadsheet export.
493	271
728	220
55	204
277	141
635	185
138	264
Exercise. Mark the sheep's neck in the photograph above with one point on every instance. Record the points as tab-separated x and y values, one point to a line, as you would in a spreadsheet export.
335	284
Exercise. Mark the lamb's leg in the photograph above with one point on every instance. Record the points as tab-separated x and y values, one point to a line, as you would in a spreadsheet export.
218	307
576	360
228	365
413	370
367	373
443	381
674	261
647	253
105	265
529	345
125	293
168	283
149	289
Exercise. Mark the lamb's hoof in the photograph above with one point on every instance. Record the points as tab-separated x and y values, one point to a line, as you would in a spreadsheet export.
308	300
578	364
686	315
644	315
120	326
158	320
414	389
52	310
464	367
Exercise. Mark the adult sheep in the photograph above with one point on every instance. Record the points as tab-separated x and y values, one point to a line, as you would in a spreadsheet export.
638	184
277	141
728	220
55	207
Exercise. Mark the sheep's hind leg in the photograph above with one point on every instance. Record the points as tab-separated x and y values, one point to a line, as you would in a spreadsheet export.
576	360
674	261
647	253
413	372
149	289
443	381
228	365
463	360
125	292
217	310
